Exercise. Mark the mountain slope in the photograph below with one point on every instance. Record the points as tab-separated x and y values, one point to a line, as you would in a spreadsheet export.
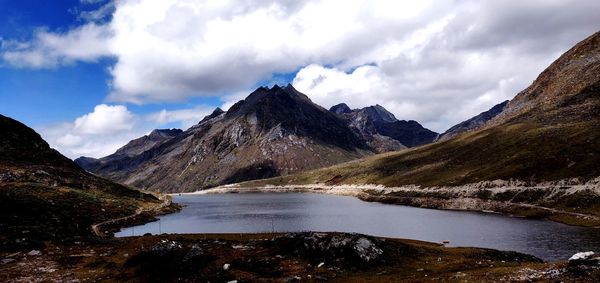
121	159
473	123
45	196
272	132
549	131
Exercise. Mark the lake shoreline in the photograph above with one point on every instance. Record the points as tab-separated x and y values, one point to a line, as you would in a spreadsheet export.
511	198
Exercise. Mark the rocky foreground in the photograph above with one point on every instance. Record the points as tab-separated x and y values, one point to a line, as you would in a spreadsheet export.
291	257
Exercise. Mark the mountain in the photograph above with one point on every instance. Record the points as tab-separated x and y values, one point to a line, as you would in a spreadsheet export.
381	128
379	114
121	159
273	131
362	125
341	108
549	131
46	196
473	123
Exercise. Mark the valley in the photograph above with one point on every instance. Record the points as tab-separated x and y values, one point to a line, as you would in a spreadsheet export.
275	187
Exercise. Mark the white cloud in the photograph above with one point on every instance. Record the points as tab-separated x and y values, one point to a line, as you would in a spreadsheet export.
69	140
435	61
48	50
186	117
105	119
109	127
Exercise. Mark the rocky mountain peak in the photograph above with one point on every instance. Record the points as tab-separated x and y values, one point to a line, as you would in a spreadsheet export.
293	112
142	144
379	114
341	108
218	111
381	128
164	133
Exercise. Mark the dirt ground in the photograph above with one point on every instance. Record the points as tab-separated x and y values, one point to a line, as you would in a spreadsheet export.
310	257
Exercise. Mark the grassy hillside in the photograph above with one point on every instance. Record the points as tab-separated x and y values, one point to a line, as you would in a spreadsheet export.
45	196
523	151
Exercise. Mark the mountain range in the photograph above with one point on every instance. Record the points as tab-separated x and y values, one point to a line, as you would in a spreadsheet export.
549	131
274	131
382	130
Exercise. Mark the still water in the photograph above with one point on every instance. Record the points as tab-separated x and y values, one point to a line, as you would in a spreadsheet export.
287	212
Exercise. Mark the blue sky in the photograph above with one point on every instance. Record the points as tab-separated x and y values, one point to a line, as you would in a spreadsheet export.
90	75
38	97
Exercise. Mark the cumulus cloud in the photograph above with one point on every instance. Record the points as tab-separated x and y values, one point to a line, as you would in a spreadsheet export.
435	61
105	119
109	127
87	43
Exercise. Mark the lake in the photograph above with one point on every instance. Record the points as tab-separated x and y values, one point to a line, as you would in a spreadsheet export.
290	212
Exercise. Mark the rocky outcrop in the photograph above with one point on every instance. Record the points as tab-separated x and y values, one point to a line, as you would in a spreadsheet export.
473	123
583	264
354	249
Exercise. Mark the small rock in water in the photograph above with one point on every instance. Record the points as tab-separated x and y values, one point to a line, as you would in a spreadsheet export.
226	266
34	253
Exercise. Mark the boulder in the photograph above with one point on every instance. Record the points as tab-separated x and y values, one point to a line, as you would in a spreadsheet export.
346	249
